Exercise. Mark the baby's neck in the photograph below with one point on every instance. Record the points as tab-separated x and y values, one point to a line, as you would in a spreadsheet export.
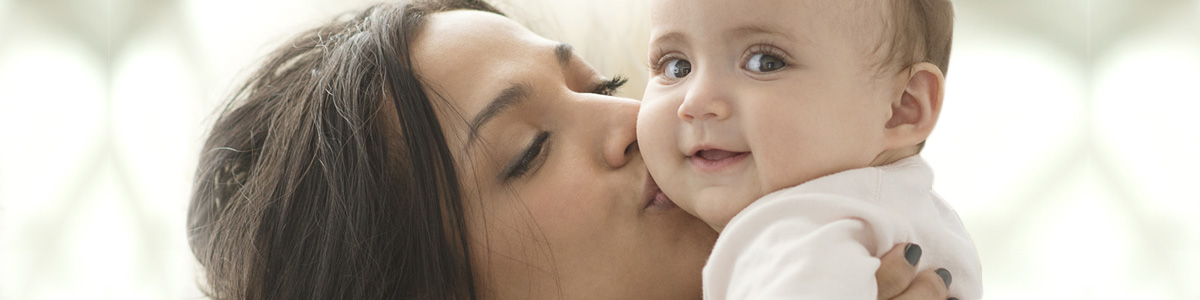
894	155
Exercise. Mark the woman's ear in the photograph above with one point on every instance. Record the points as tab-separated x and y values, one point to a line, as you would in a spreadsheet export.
916	111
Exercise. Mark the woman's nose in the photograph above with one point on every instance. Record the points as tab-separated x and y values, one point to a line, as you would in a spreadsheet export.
707	98
618	131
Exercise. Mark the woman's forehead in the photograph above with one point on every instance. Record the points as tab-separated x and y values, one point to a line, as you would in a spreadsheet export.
468	60
459	26
468	37
466	55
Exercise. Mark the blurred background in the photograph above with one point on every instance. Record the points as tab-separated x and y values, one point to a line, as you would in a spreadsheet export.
1068	141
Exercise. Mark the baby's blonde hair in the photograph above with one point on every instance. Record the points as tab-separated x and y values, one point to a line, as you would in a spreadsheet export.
921	31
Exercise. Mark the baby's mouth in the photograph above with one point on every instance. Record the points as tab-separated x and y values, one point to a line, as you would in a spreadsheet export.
712	160
716	154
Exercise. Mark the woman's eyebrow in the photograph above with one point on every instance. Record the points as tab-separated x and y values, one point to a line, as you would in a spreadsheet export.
564	52
508	98
512	96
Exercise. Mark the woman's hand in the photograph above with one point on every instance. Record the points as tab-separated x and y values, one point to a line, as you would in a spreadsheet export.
898	279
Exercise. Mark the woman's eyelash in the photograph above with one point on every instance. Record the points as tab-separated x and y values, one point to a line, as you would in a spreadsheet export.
521	165
610	87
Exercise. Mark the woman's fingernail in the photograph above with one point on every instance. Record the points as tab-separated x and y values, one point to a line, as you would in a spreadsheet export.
945	274
952	299
912	253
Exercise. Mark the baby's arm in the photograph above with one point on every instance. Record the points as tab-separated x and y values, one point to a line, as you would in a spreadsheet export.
804	246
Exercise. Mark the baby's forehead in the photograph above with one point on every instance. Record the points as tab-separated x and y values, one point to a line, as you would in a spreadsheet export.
804	19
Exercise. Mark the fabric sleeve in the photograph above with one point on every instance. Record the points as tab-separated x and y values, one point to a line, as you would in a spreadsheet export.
806	246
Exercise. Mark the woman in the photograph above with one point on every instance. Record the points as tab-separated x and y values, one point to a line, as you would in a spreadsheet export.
438	150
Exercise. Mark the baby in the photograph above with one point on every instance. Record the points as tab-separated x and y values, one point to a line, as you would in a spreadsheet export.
793	127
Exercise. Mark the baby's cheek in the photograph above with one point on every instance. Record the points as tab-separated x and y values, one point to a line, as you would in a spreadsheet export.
655	111
655	147
658	139
655	131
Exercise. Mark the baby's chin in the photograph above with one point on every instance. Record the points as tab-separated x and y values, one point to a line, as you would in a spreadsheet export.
715	207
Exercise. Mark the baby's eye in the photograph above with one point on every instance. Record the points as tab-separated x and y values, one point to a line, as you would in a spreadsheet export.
678	68
764	63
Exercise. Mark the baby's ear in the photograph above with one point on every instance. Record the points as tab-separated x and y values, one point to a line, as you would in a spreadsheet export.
916	111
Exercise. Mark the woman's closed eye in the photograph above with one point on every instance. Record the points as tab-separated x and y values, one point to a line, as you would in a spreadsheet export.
521	164
536	151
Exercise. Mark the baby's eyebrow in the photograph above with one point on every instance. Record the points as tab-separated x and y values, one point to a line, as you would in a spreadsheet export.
672	37
756	29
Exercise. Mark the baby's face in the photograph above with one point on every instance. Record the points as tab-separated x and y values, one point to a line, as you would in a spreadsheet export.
750	96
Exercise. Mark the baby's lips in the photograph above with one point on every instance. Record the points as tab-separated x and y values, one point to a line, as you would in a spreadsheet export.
716	154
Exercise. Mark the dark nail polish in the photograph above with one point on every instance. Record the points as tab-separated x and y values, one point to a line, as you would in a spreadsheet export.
912	253
945	274
952	299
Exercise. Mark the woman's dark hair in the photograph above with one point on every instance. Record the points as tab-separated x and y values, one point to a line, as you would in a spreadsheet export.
306	191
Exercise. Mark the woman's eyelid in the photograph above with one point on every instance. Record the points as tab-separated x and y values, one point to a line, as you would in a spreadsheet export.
536	154
520	165
513	164
540	157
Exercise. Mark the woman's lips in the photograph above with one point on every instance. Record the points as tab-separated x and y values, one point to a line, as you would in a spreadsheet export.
713	160
654	196
661	201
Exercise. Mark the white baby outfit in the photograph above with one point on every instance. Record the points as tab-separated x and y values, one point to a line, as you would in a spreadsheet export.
823	239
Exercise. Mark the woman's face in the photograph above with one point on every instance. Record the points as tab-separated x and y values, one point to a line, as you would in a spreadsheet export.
558	201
